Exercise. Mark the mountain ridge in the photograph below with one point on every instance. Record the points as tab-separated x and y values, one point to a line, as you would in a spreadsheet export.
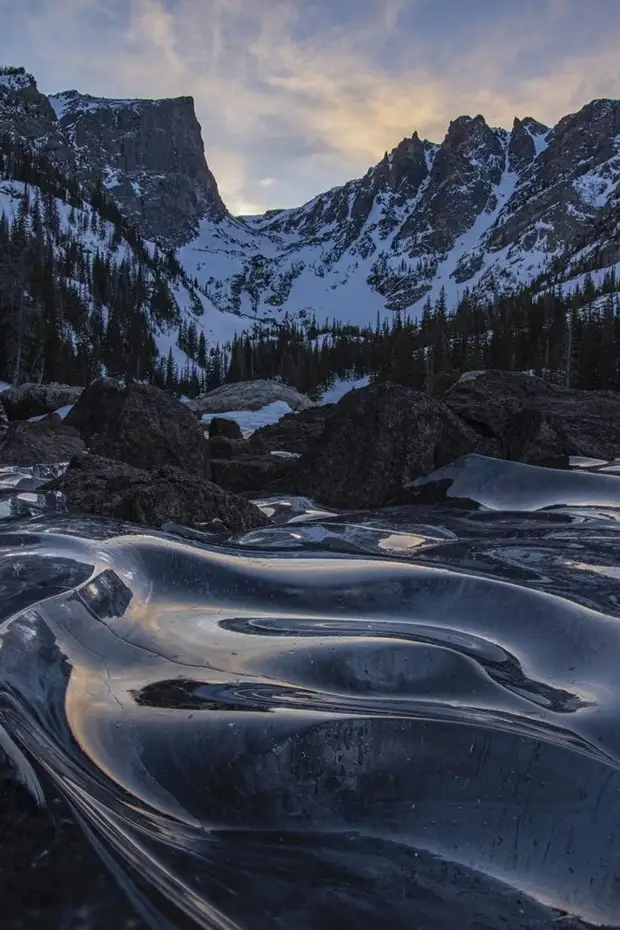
487	211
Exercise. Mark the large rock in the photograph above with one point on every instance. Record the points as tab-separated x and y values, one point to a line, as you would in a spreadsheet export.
143	426
248	395
221	426
97	485
250	473
4	420
35	400
43	443
377	439
92	411
537	422
295	432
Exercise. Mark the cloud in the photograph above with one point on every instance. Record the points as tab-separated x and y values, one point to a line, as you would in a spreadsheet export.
307	93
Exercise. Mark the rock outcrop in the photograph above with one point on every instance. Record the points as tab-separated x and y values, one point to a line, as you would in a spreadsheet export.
148	153
245	465
250	473
378	439
92	411
295	432
220	426
151	156
46	442
35	400
142	426
109	488
248	395
536	422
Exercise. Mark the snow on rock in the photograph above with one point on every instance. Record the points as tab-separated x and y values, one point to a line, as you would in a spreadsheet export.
249	395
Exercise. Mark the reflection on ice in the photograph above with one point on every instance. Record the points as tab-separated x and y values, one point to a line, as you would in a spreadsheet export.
406	718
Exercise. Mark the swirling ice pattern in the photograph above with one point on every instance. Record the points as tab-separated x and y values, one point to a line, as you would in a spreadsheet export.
404	719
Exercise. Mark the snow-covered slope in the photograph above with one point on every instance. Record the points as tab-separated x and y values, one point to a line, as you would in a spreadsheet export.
487	210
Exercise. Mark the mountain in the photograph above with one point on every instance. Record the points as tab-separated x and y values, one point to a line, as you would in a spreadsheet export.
149	154
89	280
487	211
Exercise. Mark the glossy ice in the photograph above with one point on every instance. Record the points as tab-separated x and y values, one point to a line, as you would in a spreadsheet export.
406	718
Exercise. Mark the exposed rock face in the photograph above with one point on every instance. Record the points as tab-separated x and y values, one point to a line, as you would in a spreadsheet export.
42	443
468	165
295	432
244	465
34	400
577	166
521	148
527	199
151	156
377	439
149	153
140	425
97	485
537	422
220	426
248	395
148	428
27	113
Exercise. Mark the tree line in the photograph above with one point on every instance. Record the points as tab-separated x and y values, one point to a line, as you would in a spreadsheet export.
568	338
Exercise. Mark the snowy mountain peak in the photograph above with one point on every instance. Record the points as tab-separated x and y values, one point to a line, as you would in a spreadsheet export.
16	79
71	103
487	209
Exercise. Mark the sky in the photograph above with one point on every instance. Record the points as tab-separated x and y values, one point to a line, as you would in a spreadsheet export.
297	96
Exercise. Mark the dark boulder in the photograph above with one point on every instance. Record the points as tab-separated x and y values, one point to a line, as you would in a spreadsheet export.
295	432
243	466
220	447
143	426
377	439
40	443
221	426
530	437
92	410
35	400
4	420
537	422
109	488
250	473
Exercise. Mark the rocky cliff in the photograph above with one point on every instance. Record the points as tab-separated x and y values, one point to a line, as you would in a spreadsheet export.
149	154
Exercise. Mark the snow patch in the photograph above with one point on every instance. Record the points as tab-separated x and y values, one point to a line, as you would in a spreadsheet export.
333	394
251	420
